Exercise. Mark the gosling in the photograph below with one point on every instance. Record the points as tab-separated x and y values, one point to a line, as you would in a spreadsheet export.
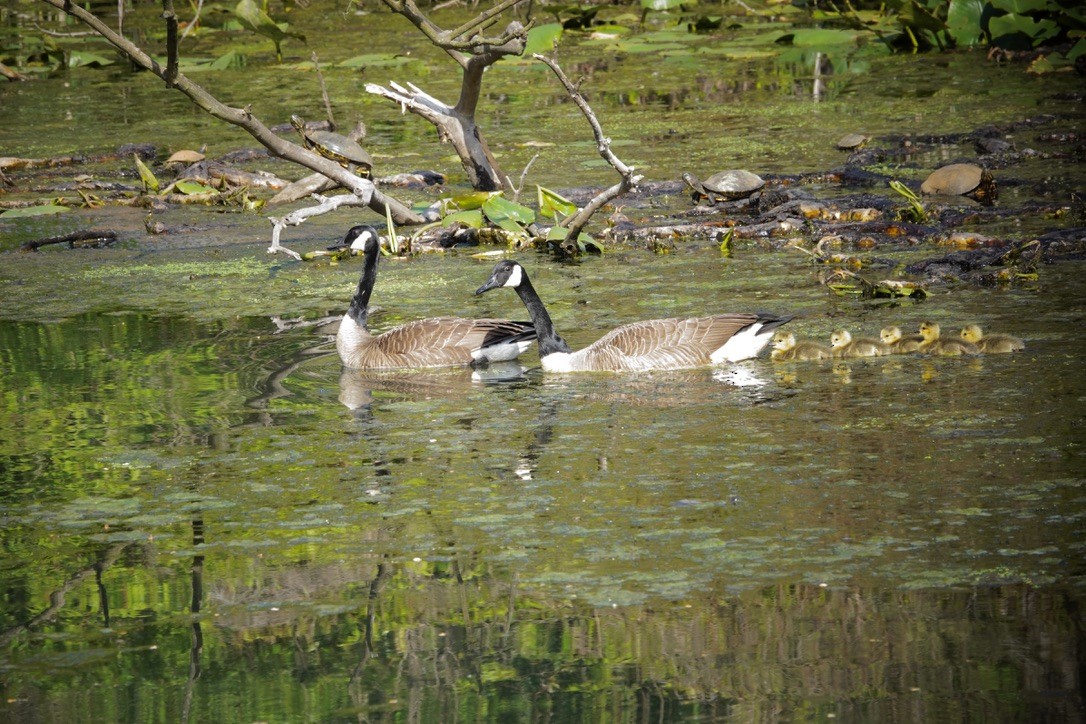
844	345
898	342
932	344
785	348
992	343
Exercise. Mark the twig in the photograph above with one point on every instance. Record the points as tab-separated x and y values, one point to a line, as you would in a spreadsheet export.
523	174
195	19
324	92
325	204
630	179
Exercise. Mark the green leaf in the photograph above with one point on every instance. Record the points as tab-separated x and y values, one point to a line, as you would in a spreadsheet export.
822	37
543	38
552	204
963	21
1005	28
472	218
231	60
377	60
1078	49
473	200
498	208
148	178
556	233
79	58
42	210
509	225
192	188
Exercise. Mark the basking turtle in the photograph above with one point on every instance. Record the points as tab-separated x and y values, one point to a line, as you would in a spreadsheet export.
961	179
852	142
335	147
724	186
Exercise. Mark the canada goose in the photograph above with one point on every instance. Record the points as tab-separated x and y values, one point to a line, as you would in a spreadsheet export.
434	342
932	344
785	347
843	345
656	344
992	343
898	342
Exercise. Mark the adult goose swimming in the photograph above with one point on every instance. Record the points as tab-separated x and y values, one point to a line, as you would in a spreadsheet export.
434	342
656	344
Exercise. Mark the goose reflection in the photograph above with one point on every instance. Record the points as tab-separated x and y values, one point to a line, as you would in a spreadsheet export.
357	387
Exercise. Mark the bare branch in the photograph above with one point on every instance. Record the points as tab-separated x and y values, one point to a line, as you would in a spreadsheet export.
363	189
171	41
629	181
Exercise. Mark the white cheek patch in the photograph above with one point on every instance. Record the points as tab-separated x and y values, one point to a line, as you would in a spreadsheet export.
515	277
359	244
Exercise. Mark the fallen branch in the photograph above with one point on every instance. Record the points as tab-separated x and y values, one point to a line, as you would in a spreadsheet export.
73	240
578	221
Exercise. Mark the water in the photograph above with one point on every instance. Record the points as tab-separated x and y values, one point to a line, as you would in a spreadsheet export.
222	517
204	518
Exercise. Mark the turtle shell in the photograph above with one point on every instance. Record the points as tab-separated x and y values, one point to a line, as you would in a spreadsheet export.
852	141
960	179
726	185
334	146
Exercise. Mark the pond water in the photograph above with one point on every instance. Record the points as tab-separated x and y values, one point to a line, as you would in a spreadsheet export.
204	518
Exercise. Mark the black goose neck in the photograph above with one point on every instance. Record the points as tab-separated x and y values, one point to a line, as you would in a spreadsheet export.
360	302
548	340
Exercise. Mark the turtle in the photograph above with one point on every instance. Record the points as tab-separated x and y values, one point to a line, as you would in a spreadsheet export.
852	142
727	185
335	147
961	179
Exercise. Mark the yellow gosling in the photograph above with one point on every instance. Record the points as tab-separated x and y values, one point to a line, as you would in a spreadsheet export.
896	340
932	343
992	343
844	345
786	348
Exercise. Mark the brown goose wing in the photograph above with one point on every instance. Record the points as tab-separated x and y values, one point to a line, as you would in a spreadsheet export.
441	341
664	343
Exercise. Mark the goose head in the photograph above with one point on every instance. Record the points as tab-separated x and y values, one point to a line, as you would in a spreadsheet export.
929	331
359	239
840	338
506	274
972	333
784	341
889	335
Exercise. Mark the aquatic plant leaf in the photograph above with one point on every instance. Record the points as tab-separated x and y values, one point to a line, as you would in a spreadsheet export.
1078	49
377	60
42	210
963	21
543	38
473	200
556	233
1019	7
472	218
146	175
498	208
80	58
231	60
552	204
191	188
821	37
1005	28
510	225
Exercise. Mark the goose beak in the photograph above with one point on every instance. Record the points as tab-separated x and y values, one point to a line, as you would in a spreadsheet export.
491	283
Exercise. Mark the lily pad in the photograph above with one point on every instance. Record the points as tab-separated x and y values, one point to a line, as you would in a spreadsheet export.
43	210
